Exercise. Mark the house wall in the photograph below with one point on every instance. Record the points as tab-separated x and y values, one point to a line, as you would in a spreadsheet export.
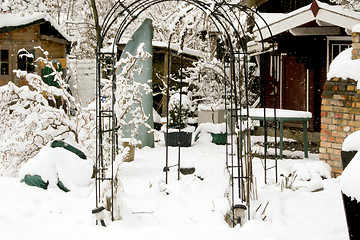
28	38
340	115
301	57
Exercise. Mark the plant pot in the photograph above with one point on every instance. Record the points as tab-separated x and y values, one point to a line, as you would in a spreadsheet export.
346	157
219	138
211	116
175	139
129	157
352	213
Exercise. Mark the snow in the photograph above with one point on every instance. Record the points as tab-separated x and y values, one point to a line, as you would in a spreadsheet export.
344	67
191	208
211	128
280	113
351	142
175	99
356	28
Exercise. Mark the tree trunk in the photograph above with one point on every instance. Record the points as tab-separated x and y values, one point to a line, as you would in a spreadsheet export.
96	18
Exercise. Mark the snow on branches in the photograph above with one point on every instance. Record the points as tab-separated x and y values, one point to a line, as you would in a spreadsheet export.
128	93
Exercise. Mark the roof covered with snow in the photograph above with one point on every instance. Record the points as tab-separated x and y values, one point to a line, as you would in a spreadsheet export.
9	22
323	14
173	46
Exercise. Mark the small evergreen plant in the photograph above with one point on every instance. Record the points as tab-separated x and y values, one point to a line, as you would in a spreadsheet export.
178	117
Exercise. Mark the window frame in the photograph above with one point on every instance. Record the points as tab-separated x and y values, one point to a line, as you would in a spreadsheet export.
4	62
335	40
27	63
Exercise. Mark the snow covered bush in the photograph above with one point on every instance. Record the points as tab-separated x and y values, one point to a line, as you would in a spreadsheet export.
31	116
206	82
179	113
209	83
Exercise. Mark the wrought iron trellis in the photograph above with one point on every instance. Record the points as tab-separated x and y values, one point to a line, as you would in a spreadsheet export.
225	18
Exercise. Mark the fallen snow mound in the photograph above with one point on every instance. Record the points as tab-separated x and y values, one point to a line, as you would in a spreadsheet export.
54	164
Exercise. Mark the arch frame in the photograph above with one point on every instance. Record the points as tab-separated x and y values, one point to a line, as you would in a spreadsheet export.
223	16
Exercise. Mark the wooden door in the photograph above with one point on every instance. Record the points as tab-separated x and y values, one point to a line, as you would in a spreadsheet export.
294	84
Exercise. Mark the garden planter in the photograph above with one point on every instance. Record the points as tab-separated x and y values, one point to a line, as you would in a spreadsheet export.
352	212
219	138
348	182
129	157
176	138
346	157
216	116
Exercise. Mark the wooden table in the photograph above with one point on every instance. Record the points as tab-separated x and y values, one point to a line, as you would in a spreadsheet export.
282	115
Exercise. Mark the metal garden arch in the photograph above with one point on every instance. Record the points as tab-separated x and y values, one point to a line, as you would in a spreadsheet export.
238	155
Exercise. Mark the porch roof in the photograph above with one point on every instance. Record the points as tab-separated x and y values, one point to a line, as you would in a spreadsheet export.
324	14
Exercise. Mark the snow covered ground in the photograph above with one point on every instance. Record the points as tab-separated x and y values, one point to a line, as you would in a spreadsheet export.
192	208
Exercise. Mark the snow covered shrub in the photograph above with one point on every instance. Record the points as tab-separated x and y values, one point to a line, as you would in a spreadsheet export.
31	118
208	82
178	118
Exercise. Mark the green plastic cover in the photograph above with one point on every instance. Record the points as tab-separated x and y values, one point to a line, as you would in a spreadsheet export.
35	180
59	143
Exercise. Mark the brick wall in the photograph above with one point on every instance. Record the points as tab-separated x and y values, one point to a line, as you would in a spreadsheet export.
340	116
356	45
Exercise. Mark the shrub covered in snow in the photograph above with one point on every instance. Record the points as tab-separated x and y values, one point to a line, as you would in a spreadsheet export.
31	116
179	113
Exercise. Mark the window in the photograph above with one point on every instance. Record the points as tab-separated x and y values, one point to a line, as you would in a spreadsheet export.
25	60
335	45
4	62
337	48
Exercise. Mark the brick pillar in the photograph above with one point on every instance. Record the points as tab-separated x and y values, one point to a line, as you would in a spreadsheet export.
356	45
340	116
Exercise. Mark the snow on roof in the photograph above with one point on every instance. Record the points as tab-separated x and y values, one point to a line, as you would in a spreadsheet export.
344	67
173	46
13	20
356	28
281	22
176	47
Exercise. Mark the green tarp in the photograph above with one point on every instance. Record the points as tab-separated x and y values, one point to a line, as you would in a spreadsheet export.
143	34
37	181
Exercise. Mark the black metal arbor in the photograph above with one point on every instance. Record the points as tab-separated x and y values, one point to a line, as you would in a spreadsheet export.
225	17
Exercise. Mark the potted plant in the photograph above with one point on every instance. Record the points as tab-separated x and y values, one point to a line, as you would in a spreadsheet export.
178	132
